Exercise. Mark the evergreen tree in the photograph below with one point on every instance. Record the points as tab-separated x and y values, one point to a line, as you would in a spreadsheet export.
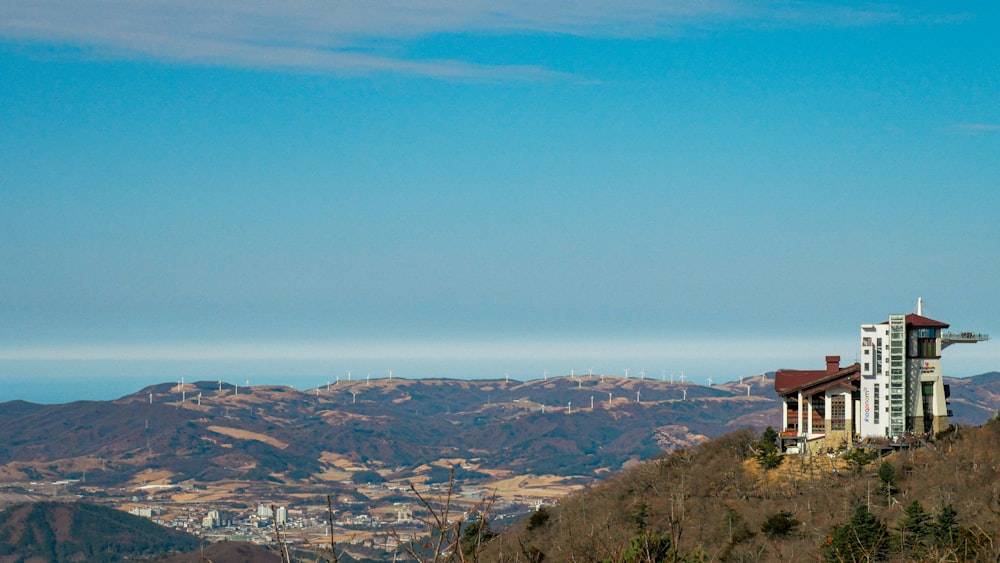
766	449
647	547
857	459
780	524
474	537
917	527
946	526
863	538
887	474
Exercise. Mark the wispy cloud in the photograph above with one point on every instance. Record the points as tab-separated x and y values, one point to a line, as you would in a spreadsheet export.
363	37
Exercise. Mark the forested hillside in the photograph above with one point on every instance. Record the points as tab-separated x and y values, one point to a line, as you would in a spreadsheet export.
718	502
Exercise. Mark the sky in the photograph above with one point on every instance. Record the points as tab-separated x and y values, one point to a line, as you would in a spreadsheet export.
285	192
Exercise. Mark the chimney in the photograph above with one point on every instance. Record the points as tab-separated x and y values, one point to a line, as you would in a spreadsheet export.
832	364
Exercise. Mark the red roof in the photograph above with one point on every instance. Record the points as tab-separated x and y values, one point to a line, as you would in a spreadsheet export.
923	322
917	321
788	381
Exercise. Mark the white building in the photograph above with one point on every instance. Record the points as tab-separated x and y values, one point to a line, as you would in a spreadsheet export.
896	389
902	386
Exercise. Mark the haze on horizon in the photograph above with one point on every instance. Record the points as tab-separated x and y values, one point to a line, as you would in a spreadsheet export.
466	189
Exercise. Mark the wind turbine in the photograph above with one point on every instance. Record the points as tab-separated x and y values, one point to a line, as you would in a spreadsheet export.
579	384
609	399
348	375
626	373
591	402
151	398
220	385
710	381
590	372
368	379
682	377
637	396
685	391
506	378
199	398
569	407
183	393
545	375
390	375
642	375
748	390
354	397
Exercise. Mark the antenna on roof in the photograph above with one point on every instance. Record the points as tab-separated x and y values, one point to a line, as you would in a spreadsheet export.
920	306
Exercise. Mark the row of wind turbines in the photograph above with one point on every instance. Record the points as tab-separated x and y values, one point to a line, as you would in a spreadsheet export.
181	388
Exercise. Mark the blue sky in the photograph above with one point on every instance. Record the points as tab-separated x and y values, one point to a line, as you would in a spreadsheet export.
219	189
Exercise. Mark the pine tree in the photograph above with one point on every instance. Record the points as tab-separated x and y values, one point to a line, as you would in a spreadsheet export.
863	538
946	526
766	449
918	529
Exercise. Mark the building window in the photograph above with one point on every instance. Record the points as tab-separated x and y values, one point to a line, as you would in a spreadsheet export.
875	411
837	413
818	412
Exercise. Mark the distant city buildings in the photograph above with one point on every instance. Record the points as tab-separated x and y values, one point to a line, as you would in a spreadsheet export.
895	391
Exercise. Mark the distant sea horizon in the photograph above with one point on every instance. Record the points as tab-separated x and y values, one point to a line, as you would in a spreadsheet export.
55	382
